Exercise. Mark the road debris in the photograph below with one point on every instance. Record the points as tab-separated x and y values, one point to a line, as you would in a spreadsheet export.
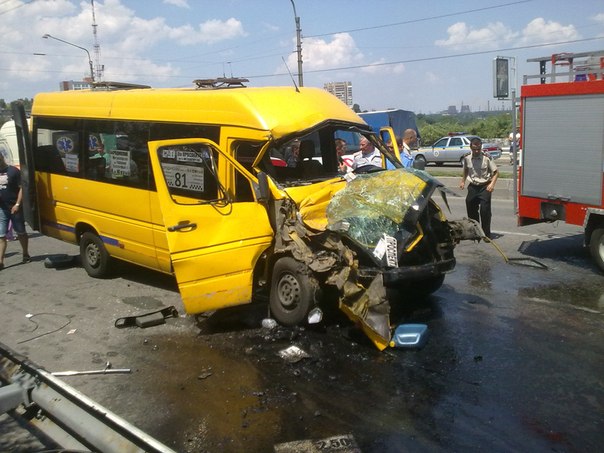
147	320
293	354
107	370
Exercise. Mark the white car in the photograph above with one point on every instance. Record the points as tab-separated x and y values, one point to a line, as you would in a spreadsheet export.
451	149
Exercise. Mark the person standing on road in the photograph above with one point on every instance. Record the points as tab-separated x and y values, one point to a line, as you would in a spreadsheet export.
409	142
482	173
11	194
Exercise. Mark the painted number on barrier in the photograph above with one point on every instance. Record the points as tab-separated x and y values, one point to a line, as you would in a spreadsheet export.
184	177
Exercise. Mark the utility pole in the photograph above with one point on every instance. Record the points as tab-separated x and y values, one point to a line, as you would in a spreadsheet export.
299	41
97	48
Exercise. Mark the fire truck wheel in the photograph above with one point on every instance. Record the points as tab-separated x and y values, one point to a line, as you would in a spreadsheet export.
293	292
94	255
596	247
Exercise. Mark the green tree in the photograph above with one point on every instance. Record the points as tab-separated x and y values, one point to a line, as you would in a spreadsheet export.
433	127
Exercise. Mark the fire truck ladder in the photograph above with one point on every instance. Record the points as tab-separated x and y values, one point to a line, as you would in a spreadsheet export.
569	67
72	420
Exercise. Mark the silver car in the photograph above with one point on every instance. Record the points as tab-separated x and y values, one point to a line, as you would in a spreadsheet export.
451	149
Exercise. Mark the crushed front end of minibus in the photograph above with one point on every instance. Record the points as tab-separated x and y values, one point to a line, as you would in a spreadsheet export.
359	236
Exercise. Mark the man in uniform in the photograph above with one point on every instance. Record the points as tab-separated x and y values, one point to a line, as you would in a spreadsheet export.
409	142
482	173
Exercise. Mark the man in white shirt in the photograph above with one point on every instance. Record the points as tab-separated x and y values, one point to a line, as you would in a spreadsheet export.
367	156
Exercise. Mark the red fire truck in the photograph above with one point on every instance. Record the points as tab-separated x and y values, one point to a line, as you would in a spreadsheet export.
562	135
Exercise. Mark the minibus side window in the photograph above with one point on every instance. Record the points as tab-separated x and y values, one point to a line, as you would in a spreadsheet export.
117	153
58	145
190	173
245	153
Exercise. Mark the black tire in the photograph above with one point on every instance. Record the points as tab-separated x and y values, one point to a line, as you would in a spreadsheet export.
596	247
94	255
293	292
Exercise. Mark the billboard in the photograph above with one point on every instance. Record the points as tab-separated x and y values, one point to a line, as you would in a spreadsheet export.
501	78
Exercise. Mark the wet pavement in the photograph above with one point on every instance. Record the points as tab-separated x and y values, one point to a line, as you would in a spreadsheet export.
513	360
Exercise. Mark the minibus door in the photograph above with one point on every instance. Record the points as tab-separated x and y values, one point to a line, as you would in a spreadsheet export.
387	136
214	241
28	175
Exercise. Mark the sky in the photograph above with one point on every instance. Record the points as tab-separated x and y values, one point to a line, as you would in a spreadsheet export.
414	55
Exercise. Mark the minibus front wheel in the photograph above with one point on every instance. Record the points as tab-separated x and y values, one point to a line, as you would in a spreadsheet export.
94	255
293	292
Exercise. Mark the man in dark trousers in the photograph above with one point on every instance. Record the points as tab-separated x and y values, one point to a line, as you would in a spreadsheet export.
10	208
482	173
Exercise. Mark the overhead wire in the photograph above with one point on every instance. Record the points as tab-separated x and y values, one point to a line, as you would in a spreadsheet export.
423	19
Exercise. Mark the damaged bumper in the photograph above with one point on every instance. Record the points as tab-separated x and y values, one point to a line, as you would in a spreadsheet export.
376	231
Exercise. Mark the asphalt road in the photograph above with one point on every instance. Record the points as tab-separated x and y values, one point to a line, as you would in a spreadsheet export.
513	360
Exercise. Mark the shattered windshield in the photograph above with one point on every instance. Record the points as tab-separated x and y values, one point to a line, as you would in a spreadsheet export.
378	204
325	153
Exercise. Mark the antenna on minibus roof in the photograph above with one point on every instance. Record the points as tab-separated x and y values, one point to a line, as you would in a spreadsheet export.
290	74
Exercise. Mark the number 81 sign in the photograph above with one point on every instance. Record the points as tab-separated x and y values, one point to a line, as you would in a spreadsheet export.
184	177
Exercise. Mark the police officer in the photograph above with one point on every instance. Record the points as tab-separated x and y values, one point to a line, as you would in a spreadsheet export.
482	173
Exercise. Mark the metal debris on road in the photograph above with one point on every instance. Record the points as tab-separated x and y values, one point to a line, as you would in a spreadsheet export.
147	320
107	370
293	354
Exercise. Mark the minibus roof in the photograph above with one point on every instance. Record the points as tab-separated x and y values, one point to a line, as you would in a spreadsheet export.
279	110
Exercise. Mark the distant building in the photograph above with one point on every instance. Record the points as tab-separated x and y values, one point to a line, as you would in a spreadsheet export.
465	108
452	110
68	85
341	90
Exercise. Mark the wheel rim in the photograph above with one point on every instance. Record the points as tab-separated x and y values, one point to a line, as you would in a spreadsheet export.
288	290
92	255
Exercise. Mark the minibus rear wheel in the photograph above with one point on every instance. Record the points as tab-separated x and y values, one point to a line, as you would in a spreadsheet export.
293	292
94	255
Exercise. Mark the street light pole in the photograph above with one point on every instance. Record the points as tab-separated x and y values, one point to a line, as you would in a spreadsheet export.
299	40
46	36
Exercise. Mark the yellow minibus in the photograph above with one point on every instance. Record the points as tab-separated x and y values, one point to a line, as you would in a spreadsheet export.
235	191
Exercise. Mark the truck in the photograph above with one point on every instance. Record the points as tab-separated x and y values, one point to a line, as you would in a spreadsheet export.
399	120
562	140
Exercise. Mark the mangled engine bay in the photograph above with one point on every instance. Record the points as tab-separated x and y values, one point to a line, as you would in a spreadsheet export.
378	230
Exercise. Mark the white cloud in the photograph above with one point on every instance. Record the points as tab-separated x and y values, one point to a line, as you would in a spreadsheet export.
461	36
341	51
320	54
178	3
539	31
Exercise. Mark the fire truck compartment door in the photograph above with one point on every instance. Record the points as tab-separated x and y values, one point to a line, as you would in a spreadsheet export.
563	166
